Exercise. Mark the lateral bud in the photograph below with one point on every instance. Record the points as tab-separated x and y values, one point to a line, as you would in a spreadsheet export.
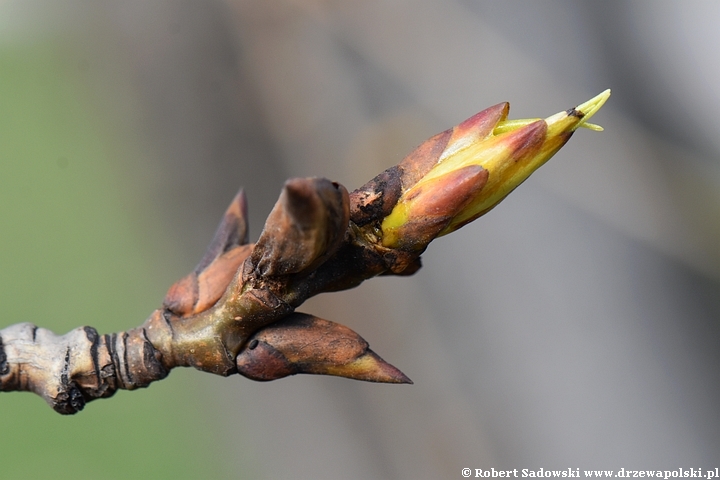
202	288
196	293
302	343
305	227
232	232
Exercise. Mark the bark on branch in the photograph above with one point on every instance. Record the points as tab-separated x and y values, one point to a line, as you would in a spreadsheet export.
235	313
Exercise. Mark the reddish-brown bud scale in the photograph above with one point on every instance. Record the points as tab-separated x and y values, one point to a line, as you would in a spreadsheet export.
196	293
304	228
425	157
302	343
432	205
232	231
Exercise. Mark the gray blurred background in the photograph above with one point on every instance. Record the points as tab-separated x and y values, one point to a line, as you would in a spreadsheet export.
575	326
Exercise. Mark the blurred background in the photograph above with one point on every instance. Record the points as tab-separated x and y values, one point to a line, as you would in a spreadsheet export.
575	326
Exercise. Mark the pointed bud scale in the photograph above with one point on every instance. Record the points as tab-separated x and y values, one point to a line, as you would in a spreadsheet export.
196	293
302	343
182	296
500	157
433	151
214	280
304	228
232	231
508	150
430	206
200	290
510	158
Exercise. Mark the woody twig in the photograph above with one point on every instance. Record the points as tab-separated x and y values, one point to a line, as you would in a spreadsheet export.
235	313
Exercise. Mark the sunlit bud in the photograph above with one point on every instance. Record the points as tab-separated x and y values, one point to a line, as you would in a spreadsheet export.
439	187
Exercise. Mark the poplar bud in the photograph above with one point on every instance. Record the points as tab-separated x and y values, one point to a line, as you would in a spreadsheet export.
462	173
302	343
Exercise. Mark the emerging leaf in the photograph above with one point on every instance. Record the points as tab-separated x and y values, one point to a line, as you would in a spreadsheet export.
436	184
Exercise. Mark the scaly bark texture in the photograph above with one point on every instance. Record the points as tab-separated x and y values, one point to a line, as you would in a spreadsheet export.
235	313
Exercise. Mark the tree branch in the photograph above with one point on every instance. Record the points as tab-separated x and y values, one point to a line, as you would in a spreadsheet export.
235	313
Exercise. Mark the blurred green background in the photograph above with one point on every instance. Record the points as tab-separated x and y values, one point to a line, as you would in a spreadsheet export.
78	247
576	325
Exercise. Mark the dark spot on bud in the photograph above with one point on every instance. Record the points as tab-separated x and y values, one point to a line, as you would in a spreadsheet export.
376	199
572	112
